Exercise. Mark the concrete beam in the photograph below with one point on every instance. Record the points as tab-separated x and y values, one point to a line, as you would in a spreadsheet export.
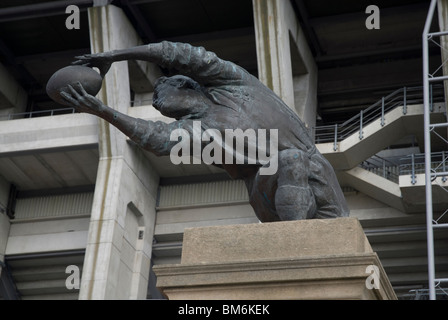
44	9
33	236
44	133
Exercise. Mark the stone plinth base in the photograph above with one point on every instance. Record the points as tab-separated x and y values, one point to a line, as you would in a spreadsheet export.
310	259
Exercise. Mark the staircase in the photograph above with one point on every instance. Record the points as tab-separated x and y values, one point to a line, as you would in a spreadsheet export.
351	148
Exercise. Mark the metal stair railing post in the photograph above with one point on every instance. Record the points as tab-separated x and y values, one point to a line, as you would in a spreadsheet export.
335	145
413	177
405	107
360	125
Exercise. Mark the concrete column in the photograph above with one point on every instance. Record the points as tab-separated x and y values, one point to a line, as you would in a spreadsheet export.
118	251
285	62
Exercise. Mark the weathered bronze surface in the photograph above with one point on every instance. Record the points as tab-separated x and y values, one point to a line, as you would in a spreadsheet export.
222	95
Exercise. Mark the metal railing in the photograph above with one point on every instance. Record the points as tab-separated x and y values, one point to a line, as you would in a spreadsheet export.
386	168
402	97
415	164
35	114
410	165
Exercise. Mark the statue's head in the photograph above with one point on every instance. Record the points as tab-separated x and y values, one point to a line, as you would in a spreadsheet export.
179	96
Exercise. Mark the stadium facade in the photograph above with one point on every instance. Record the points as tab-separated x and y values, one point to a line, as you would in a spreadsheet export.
85	213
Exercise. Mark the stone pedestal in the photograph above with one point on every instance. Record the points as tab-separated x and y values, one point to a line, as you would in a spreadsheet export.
310	259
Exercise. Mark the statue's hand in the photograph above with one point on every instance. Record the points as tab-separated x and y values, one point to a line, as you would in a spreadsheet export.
82	101
102	61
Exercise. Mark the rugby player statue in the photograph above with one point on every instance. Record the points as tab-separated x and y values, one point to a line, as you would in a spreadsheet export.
221	95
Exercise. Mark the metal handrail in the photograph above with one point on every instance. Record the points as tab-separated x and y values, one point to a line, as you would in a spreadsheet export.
399	98
31	114
383	167
414	164
410	165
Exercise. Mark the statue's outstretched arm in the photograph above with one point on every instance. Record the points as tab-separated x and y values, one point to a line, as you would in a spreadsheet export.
196	62
150	135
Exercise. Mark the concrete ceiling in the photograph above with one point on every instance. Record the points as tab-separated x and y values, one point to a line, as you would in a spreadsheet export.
51	170
356	66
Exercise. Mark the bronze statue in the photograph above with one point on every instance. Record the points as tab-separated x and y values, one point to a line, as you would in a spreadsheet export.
222	95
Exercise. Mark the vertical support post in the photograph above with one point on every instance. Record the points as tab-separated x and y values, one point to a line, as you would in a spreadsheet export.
382	112
335	145
427	139
413	180
360	125
405	106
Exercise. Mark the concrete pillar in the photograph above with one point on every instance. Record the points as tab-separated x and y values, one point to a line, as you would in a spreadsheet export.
119	244
285	62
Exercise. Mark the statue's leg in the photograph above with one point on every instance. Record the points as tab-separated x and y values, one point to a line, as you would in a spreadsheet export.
261	190
294	199
328	194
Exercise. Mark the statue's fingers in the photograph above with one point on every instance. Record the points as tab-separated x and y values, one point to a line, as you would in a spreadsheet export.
94	101
80	63
83	60
84	57
67	97
85	102
74	92
81	89
83	97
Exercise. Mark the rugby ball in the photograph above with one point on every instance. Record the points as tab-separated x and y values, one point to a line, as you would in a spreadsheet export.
59	81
